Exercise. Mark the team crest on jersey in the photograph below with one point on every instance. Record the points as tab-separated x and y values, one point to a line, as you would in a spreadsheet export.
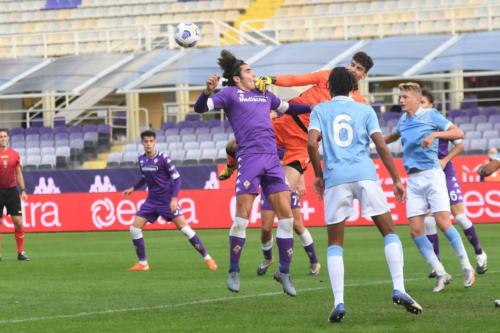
246	183
155	160
236	249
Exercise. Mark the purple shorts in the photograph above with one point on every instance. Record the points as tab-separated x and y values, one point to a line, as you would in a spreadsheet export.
260	169
265	204
454	190
150	211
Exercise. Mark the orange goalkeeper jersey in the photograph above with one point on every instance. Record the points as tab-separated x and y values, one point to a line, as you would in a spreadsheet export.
292	133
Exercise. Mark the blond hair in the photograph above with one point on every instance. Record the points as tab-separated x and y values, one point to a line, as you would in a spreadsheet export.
410	86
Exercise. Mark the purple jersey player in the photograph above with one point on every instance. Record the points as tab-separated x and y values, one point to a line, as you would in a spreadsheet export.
455	193
258	164
163	182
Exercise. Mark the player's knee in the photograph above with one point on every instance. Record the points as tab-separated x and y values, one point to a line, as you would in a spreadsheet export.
135	232
239	227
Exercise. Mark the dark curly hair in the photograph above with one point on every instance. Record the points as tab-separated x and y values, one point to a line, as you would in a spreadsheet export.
341	82
230	65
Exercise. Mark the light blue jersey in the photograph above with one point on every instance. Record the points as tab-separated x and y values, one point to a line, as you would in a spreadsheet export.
413	130
346	127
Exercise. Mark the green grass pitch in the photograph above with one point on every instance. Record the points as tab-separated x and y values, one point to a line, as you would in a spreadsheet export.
78	282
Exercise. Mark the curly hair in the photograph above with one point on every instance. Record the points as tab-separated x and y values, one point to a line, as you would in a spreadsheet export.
230	65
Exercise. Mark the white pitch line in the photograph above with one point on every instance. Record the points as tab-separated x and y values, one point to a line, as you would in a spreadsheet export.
198	302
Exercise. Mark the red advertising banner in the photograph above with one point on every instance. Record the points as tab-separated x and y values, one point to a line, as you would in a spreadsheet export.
208	209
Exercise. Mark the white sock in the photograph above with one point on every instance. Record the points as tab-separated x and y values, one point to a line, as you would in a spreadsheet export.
135	233
285	228
395	260
430	225
464	221
306	238
188	232
335	261
268	245
239	227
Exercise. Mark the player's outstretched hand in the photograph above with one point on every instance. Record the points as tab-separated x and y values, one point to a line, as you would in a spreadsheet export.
128	191
212	82
399	192
263	82
319	187
427	142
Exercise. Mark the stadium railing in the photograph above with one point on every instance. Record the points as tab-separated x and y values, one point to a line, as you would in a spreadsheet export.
378	23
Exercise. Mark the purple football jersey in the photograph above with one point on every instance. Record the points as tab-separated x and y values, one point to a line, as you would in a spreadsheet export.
159	174
248	114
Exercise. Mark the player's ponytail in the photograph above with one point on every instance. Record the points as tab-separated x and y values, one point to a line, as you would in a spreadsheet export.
230	67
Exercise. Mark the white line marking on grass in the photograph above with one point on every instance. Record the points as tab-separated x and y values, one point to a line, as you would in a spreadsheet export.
198	302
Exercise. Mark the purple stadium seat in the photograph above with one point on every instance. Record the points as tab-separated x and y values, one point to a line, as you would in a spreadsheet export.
479	119
104	129
481	127
185	124
46	130
75	136
226	124
473	111
186	130
37	122
468	127
166	125
16	131
193	116
14	138
494	143
456	113
33	137
497	126
61	4
171	131
32	130
59	121
214	130
199	124
60	129
74	129
491	110
494	118
391	115
478	146
201	130
89	128
462	120
490	134
473	135
214	123
469	102
47	137
62	136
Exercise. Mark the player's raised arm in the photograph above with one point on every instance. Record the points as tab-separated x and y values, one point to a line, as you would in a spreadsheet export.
204	103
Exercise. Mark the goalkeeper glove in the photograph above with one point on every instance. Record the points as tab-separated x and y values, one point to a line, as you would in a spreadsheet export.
262	82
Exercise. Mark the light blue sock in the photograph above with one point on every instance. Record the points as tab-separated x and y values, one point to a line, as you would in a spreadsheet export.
426	250
458	246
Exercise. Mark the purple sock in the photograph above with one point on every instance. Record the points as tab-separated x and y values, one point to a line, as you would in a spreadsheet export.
140	250
472	237
311	253
235	248
268	254
285	246
434	239
198	245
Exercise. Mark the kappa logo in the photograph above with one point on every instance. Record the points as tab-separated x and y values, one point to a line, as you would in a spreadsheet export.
290	252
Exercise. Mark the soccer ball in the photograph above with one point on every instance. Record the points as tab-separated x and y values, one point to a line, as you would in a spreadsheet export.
187	34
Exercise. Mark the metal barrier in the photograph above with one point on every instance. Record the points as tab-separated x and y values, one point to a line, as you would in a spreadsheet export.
173	111
123	39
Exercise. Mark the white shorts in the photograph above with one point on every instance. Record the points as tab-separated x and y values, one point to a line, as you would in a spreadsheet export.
338	200
427	189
